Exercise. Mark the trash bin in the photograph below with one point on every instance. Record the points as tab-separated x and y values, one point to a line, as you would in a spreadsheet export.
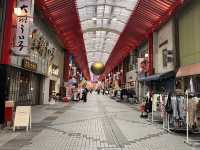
9	109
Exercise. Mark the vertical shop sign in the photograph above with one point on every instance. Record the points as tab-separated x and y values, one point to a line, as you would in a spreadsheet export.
24	20
140	67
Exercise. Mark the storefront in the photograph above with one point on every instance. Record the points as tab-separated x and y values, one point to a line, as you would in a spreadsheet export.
163	79
25	86
160	83
131	78
189	36
141	71
188	74
56	75
27	74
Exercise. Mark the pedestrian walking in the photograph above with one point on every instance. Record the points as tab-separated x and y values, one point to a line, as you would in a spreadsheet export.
85	92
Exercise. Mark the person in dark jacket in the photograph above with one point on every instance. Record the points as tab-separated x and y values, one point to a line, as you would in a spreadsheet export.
85	92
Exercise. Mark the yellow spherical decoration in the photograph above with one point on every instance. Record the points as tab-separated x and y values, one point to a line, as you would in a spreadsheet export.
97	68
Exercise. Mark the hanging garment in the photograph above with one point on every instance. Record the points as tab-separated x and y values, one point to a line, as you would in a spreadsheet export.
162	106
192	111
148	105
168	106
198	114
155	102
175	108
181	107
192	87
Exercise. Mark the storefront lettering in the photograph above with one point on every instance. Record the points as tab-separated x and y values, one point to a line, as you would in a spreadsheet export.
27	64
54	70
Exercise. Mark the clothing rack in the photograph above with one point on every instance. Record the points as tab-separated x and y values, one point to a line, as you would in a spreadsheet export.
166	117
166	120
188	140
152	112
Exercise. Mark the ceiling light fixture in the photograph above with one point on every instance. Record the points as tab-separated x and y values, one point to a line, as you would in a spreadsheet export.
94	18
114	19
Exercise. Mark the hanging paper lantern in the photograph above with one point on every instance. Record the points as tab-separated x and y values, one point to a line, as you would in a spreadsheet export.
97	68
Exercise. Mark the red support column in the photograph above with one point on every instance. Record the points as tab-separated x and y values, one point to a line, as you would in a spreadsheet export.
150	53
7	32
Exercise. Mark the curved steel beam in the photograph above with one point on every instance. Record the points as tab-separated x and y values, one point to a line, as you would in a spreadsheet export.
104	4
101	29
90	18
104	52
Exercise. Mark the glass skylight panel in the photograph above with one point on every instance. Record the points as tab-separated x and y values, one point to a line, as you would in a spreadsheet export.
107	10
105	22
116	25
82	13
125	13
90	11
100	11
100	1
102	21
89	2
116	11
87	24
99	23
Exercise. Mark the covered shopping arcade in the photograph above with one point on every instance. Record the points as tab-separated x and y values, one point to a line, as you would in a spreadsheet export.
100	74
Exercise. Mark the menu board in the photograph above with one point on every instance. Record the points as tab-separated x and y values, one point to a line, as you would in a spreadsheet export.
22	117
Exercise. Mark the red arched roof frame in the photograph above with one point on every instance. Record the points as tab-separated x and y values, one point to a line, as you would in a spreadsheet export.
147	17
62	16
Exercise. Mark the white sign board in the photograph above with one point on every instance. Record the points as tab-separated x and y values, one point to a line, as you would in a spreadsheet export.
131	76
139	60
22	117
23	27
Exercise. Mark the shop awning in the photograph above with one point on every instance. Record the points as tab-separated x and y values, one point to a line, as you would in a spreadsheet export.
157	77
188	70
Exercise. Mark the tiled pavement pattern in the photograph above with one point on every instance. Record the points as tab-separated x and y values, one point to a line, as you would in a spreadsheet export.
99	124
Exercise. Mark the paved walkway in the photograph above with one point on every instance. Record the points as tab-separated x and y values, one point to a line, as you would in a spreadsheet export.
99	124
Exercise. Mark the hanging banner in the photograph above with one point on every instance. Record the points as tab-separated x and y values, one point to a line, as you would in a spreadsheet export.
24	21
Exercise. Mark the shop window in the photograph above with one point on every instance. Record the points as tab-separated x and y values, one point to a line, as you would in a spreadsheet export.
24	87
20	87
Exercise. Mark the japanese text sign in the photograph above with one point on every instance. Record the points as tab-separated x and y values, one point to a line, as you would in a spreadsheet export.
23	27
